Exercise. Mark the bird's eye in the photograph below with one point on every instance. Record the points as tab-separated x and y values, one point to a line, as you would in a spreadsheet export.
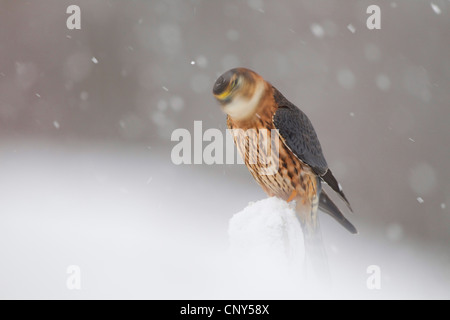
233	84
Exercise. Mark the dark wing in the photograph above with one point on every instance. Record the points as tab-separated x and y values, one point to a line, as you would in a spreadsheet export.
328	206
298	134
300	137
336	186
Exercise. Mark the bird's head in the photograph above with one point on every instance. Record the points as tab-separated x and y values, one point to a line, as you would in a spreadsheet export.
239	92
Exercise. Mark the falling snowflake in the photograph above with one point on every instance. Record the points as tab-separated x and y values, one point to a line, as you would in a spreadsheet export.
256	5
383	82
351	28
84	95
346	78
201	61
317	30
233	35
94	60
436	9
177	103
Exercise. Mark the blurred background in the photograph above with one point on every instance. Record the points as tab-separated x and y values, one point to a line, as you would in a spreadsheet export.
86	118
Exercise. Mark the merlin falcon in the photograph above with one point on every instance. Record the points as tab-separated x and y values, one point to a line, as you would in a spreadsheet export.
251	103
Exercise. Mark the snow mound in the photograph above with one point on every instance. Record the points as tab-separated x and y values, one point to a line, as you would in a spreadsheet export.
267	233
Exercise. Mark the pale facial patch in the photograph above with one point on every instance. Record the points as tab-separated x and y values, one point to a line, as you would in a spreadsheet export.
240	108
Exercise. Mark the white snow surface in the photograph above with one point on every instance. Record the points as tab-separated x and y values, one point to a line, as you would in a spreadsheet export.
93	205
267	233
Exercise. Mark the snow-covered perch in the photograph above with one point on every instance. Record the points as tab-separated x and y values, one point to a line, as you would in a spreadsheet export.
266	236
